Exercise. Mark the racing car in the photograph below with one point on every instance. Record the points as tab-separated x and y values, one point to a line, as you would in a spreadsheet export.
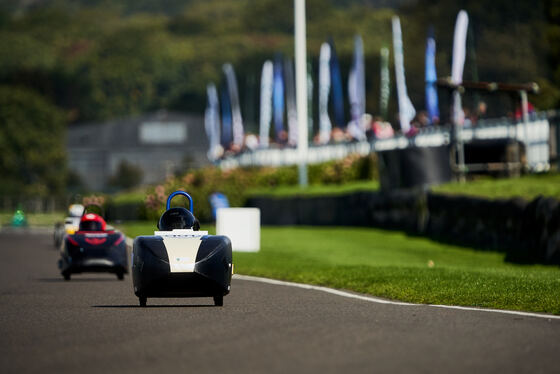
93	248
70	225
179	260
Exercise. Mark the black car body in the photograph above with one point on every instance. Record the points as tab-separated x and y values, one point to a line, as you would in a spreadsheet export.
96	250
180	260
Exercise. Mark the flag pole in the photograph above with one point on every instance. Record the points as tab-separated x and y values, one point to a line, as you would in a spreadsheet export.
301	88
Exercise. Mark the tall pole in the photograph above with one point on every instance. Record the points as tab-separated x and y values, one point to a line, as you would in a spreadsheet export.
301	87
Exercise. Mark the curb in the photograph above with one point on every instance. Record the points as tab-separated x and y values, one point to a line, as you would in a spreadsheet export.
378	300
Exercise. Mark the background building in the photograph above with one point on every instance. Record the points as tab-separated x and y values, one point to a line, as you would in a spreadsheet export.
159	143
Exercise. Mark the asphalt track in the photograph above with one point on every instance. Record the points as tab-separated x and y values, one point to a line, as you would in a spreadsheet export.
92	324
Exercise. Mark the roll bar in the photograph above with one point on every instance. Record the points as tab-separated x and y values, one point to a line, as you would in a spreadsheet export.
168	205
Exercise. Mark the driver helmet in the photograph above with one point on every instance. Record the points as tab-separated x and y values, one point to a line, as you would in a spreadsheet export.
178	218
92	222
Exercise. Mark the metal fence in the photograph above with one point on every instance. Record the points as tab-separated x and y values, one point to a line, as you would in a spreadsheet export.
534	135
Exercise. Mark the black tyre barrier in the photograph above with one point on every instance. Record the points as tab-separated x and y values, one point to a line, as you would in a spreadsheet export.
395	210
414	166
528	232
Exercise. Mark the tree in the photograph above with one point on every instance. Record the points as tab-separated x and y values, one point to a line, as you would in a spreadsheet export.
127	176
32	149
553	38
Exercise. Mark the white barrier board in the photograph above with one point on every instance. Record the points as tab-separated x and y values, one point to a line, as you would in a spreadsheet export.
242	226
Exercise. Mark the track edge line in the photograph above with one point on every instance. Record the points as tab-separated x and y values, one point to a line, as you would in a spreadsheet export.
378	300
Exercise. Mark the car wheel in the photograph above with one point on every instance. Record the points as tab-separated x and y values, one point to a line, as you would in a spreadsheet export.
143	300
218	300
66	276
120	275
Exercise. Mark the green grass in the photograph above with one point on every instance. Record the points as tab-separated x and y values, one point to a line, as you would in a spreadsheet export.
395	266
34	219
137	195
527	187
315	190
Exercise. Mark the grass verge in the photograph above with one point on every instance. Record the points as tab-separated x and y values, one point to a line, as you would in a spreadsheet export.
527	187
315	190
395	266
34	219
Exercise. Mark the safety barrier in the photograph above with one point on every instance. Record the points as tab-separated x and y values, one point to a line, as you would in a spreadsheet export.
528	232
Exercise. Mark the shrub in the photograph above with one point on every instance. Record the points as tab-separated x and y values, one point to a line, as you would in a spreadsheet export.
201	183
126	176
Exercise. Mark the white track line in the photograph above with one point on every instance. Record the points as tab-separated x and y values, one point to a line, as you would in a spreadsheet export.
383	301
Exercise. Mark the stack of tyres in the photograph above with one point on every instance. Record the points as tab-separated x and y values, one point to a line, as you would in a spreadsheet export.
179	260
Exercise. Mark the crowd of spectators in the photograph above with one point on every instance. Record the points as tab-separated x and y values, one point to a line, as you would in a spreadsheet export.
373	127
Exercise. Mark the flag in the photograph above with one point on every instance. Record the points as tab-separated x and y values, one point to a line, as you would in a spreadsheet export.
278	99
459	53
266	103
406	109
309	101
336	92
385	83
431	78
459	47
291	102
212	121
226	137
325	125
237	121
356	91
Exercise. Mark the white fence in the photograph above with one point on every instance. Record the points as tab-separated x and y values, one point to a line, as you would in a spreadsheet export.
534	135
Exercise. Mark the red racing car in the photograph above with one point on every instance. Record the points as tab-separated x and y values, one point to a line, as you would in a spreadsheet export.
93	248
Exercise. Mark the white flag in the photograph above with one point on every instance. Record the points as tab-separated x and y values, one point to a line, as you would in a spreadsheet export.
459	47
325	125
459	54
212	122
356	91
406	109
266	104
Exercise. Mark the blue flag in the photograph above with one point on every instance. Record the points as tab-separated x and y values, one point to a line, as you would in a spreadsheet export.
336	83
278	99
227	133
431	78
